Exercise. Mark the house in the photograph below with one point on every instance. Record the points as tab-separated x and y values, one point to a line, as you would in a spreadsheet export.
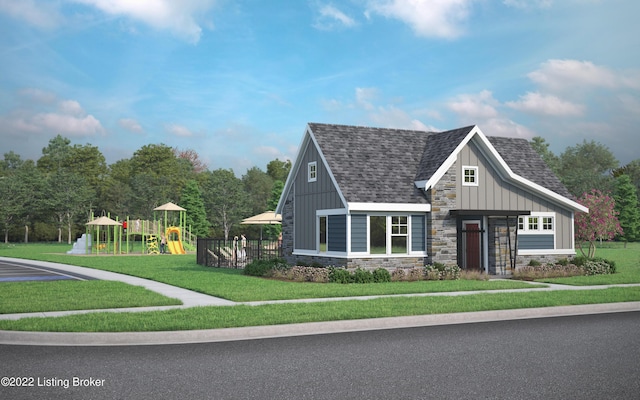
372	197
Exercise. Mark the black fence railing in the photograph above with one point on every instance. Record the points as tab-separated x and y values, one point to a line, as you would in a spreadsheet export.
232	254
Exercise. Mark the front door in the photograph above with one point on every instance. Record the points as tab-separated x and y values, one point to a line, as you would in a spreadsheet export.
471	254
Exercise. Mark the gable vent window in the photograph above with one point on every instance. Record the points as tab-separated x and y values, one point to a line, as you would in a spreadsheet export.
469	176
312	171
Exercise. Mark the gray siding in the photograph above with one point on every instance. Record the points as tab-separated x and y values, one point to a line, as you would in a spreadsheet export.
418	233
535	242
359	233
310	197
337	233
493	193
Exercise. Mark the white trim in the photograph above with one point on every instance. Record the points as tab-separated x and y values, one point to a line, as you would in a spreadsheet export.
312	171
542	252
502	168
333	211
388	207
476	177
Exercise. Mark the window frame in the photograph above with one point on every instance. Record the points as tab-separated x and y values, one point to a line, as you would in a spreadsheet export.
541	220
474	175
312	171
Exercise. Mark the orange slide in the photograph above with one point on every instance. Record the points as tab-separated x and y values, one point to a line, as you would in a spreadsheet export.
174	240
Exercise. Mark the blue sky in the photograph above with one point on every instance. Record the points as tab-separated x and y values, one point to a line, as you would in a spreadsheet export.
237	81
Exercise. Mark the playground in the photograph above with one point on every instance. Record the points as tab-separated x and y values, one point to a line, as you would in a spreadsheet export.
166	234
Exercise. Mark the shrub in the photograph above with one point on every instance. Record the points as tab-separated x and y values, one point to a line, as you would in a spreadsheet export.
264	267
548	271
362	276
339	275
451	272
432	273
598	267
534	263
381	275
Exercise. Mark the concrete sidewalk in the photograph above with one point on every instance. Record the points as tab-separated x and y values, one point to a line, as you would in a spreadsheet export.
193	299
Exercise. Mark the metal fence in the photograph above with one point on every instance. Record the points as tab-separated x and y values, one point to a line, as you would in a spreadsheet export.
232	254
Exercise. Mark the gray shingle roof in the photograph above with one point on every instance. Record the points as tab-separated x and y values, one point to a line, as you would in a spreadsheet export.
373	165
525	161
380	165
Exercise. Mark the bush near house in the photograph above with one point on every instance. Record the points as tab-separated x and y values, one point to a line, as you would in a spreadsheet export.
563	268
278	269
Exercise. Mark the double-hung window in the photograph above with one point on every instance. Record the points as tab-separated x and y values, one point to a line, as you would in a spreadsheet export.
312	171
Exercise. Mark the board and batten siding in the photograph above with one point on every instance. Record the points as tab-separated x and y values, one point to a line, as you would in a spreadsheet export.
310	197
493	193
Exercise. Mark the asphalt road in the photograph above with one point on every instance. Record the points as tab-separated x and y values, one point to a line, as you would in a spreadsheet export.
580	357
20	272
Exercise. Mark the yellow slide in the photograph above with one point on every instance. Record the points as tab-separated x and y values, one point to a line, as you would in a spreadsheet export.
174	240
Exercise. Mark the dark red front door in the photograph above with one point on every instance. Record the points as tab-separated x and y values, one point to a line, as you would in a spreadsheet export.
471	241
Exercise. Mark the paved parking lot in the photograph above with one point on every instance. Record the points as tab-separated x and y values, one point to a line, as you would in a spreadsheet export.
18	272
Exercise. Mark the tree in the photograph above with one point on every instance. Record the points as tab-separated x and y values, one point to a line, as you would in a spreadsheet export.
632	170
225	200
192	201
194	159
258	186
599	223
542	148
272	231
68	195
626	199
279	170
587	166
55	154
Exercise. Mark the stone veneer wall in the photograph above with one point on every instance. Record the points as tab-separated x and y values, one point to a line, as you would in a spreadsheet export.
499	261
442	244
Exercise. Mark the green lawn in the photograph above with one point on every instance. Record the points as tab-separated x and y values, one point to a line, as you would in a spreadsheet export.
627	260
276	314
25	297
231	284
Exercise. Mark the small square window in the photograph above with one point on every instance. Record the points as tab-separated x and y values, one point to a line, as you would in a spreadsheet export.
312	172
547	223
521	223
470	176
533	223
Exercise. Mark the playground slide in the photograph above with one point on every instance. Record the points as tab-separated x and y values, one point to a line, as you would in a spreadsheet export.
174	246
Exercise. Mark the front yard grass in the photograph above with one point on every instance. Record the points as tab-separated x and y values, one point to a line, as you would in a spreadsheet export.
26	297
276	314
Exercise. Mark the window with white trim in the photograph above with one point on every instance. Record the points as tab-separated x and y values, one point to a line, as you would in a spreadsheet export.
399	234
541	223
469	176
312	171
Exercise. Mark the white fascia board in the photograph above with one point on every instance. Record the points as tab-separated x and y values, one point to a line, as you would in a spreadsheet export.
486	144
444	167
294	171
549	252
388	207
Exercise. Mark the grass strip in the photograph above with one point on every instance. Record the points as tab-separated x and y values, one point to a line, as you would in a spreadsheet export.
275	314
24	297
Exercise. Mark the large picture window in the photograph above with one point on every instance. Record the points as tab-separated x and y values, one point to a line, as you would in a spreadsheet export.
378	234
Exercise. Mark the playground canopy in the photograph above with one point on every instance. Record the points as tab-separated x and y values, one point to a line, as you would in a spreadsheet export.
266	218
169	207
108	222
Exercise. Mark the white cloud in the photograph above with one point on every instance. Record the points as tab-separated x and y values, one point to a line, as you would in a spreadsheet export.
537	103
562	75
475	106
179	130
40	14
482	109
47	115
330	18
131	125
179	17
183	18
365	96
435	18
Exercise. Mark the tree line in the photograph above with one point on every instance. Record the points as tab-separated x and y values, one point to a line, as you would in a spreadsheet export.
52	197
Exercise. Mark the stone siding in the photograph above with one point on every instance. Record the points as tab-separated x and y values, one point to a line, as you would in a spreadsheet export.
442	243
